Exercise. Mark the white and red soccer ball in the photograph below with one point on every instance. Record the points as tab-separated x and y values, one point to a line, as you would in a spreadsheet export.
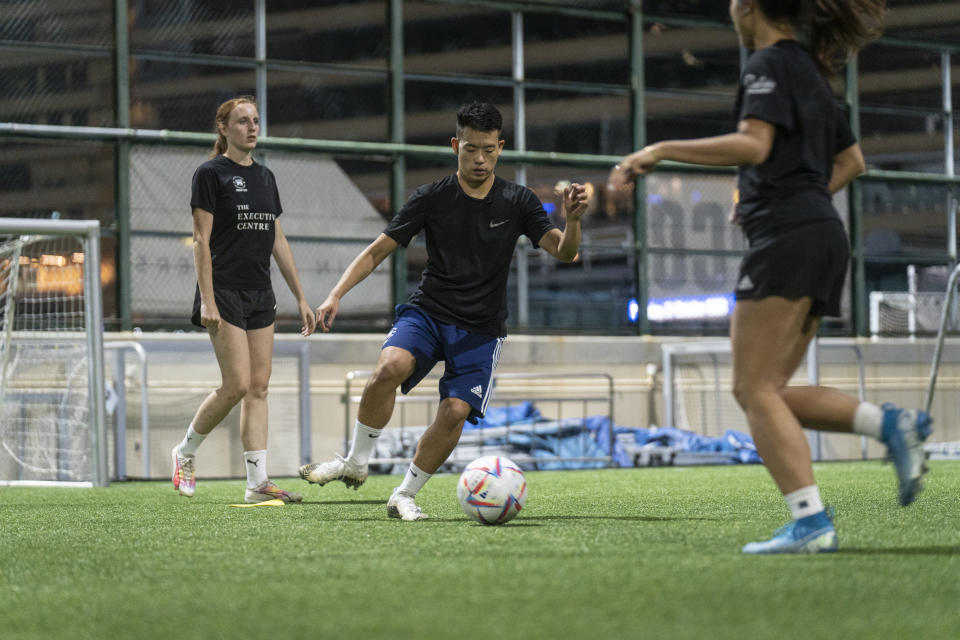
492	490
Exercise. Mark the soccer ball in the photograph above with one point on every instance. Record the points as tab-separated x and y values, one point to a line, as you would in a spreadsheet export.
492	490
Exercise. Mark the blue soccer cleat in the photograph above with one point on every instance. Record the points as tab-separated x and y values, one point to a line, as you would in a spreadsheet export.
813	534
904	431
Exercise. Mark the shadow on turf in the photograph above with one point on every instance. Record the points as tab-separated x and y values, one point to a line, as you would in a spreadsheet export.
462	520
332	502
539	521
527	521
942	550
629	518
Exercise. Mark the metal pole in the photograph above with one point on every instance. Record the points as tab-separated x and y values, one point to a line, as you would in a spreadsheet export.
520	144
120	434
398	166
122	168
519	102
347	425
611	435
948	154
430	152
668	400
93	310
639	140
260	26
861	394
306	445
9	311
938	351
912	301
855	205
137	348
813	378
523	281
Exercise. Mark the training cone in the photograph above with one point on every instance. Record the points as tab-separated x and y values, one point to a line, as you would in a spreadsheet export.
276	502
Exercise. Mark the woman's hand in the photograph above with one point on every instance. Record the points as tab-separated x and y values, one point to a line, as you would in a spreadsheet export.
210	316
633	165
309	320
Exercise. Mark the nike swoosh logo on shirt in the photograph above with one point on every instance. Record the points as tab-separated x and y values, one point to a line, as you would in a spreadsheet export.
493	224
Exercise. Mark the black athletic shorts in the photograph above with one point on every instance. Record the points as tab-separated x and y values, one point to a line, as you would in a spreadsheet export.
809	261
245	308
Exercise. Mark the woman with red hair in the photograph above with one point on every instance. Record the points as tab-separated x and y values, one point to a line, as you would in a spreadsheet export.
236	206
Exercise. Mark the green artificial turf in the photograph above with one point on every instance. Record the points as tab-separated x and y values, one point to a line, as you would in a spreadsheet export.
651	553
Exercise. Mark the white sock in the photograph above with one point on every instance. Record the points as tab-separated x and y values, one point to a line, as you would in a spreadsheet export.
414	480
804	502
868	420
256	464
190	442
364	440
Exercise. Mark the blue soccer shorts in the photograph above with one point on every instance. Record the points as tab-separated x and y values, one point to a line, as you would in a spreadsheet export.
469	358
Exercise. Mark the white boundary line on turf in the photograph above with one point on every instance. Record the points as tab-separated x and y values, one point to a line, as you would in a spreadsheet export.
45	483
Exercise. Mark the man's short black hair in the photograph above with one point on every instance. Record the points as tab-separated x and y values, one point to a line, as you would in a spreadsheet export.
479	116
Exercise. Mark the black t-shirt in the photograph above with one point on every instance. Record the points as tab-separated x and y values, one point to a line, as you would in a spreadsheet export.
781	85
469	246
244	202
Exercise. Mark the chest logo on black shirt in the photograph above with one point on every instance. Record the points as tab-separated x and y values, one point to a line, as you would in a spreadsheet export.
239	183
253	221
494	225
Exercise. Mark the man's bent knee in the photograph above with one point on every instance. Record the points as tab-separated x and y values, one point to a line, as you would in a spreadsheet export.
455	410
391	372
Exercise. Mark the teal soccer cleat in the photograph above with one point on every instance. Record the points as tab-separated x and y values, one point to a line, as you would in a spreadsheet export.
813	534
904	431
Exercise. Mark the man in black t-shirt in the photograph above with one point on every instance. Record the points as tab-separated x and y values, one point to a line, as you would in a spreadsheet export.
471	221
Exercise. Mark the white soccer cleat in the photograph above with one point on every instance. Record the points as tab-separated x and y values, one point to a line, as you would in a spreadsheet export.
401	505
337	469
184	478
270	491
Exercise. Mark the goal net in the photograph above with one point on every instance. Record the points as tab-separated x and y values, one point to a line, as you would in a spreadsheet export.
918	311
698	394
698	388
51	354
896	313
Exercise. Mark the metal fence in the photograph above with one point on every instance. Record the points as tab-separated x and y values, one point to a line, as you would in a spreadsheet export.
95	91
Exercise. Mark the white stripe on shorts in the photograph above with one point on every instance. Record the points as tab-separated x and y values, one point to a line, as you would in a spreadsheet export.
493	369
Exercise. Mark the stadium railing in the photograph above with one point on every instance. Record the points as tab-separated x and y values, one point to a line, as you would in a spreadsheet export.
530	392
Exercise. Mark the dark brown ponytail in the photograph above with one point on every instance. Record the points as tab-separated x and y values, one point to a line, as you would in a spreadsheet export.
223	118
835	29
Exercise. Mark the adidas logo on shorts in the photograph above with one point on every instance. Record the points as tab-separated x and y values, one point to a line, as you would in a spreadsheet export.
745	283
477	391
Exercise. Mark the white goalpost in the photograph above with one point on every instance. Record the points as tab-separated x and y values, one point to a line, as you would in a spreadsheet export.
698	391
909	313
52	422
